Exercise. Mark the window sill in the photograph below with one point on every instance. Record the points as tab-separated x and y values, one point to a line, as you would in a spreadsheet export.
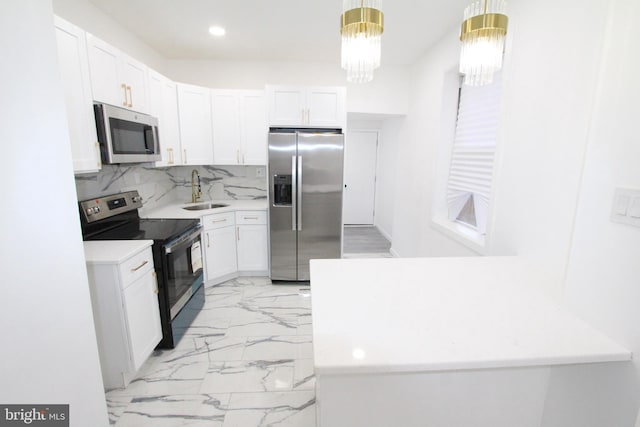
461	234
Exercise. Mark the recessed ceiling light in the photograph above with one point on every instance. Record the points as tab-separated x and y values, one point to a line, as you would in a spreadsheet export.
217	31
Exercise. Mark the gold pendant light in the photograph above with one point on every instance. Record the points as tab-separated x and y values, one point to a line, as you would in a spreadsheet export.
361	28
483	35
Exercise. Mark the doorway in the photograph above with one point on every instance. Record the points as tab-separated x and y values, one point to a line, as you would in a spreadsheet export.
360	161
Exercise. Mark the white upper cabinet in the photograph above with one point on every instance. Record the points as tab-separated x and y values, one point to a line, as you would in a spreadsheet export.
74	71
163	104
253	123
196	135
239	127
116	78
225	117
307	106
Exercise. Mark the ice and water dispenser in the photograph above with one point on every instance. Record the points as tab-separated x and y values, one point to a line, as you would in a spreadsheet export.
282	190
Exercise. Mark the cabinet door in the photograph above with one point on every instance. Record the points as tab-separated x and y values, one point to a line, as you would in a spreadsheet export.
252	248
220	247
225	118
194	107
134	75
286	106
326	107
106	84
74	70
254	129
163	104
142	317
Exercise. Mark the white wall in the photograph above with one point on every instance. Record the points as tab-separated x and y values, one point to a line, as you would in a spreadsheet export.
88	17
49	353
548	88
418	145
603	277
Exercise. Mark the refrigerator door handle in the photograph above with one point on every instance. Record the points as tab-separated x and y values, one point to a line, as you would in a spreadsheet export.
294	186
299	194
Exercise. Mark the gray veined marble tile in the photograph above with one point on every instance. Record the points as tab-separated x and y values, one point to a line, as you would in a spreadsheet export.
212	349
249	376
278	347
116	405
168	378
303	375
195	410
222	297
305	326
271	409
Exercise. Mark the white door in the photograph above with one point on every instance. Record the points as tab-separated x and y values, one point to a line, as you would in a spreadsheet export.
360	176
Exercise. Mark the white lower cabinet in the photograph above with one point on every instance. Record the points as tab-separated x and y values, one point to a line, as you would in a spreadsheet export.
124	297
252	241
219	238
235	243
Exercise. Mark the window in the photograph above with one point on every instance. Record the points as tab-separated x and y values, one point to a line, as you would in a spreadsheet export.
471	169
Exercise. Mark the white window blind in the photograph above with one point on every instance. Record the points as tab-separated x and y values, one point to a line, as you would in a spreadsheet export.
471	169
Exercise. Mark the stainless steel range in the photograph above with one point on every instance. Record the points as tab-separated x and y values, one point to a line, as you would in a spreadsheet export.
177	255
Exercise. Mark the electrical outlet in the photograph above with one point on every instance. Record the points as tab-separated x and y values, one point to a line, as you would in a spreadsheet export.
626	207
260	172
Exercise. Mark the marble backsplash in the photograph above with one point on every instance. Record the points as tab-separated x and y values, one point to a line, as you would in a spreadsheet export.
159	186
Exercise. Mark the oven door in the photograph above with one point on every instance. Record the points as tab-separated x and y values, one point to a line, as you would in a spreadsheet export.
183	258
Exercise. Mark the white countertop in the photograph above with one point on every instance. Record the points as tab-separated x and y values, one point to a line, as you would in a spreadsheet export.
174	209
436	314
113	251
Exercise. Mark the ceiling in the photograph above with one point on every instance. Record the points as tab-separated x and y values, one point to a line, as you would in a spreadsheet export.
304	30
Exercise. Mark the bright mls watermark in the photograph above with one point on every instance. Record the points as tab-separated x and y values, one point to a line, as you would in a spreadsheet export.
34	415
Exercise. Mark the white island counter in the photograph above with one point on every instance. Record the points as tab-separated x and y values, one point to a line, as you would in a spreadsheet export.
440	342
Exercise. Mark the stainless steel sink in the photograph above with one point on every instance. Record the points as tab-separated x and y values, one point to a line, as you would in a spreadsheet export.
204	206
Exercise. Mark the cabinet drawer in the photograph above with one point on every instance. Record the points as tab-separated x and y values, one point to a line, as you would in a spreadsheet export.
251	217
210	222
136	267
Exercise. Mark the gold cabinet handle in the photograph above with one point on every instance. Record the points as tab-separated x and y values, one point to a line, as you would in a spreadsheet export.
155	277
124	88
140	266
130	96
99	154
218	220
170	155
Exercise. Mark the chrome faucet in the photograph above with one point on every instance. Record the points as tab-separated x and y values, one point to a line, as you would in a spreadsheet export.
196	191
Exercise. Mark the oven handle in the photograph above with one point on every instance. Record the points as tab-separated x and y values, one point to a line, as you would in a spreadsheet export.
183	241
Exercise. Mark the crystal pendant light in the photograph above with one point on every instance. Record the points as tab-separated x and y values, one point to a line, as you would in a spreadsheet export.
361	28
483	34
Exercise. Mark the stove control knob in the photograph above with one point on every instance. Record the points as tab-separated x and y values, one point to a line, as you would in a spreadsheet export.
137	199
89	211
96	209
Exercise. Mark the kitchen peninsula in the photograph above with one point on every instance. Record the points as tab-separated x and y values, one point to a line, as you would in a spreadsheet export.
441	341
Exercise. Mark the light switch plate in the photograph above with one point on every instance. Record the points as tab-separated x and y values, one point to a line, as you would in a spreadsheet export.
626	207
260	172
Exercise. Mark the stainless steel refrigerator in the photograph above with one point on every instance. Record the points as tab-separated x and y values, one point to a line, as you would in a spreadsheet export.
305	199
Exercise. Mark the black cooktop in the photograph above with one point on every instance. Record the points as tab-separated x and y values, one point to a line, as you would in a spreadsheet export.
161	230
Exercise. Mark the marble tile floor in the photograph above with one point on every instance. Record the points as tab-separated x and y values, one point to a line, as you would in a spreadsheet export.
365	242
247	360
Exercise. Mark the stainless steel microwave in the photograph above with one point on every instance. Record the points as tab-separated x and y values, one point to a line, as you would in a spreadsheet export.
126	136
